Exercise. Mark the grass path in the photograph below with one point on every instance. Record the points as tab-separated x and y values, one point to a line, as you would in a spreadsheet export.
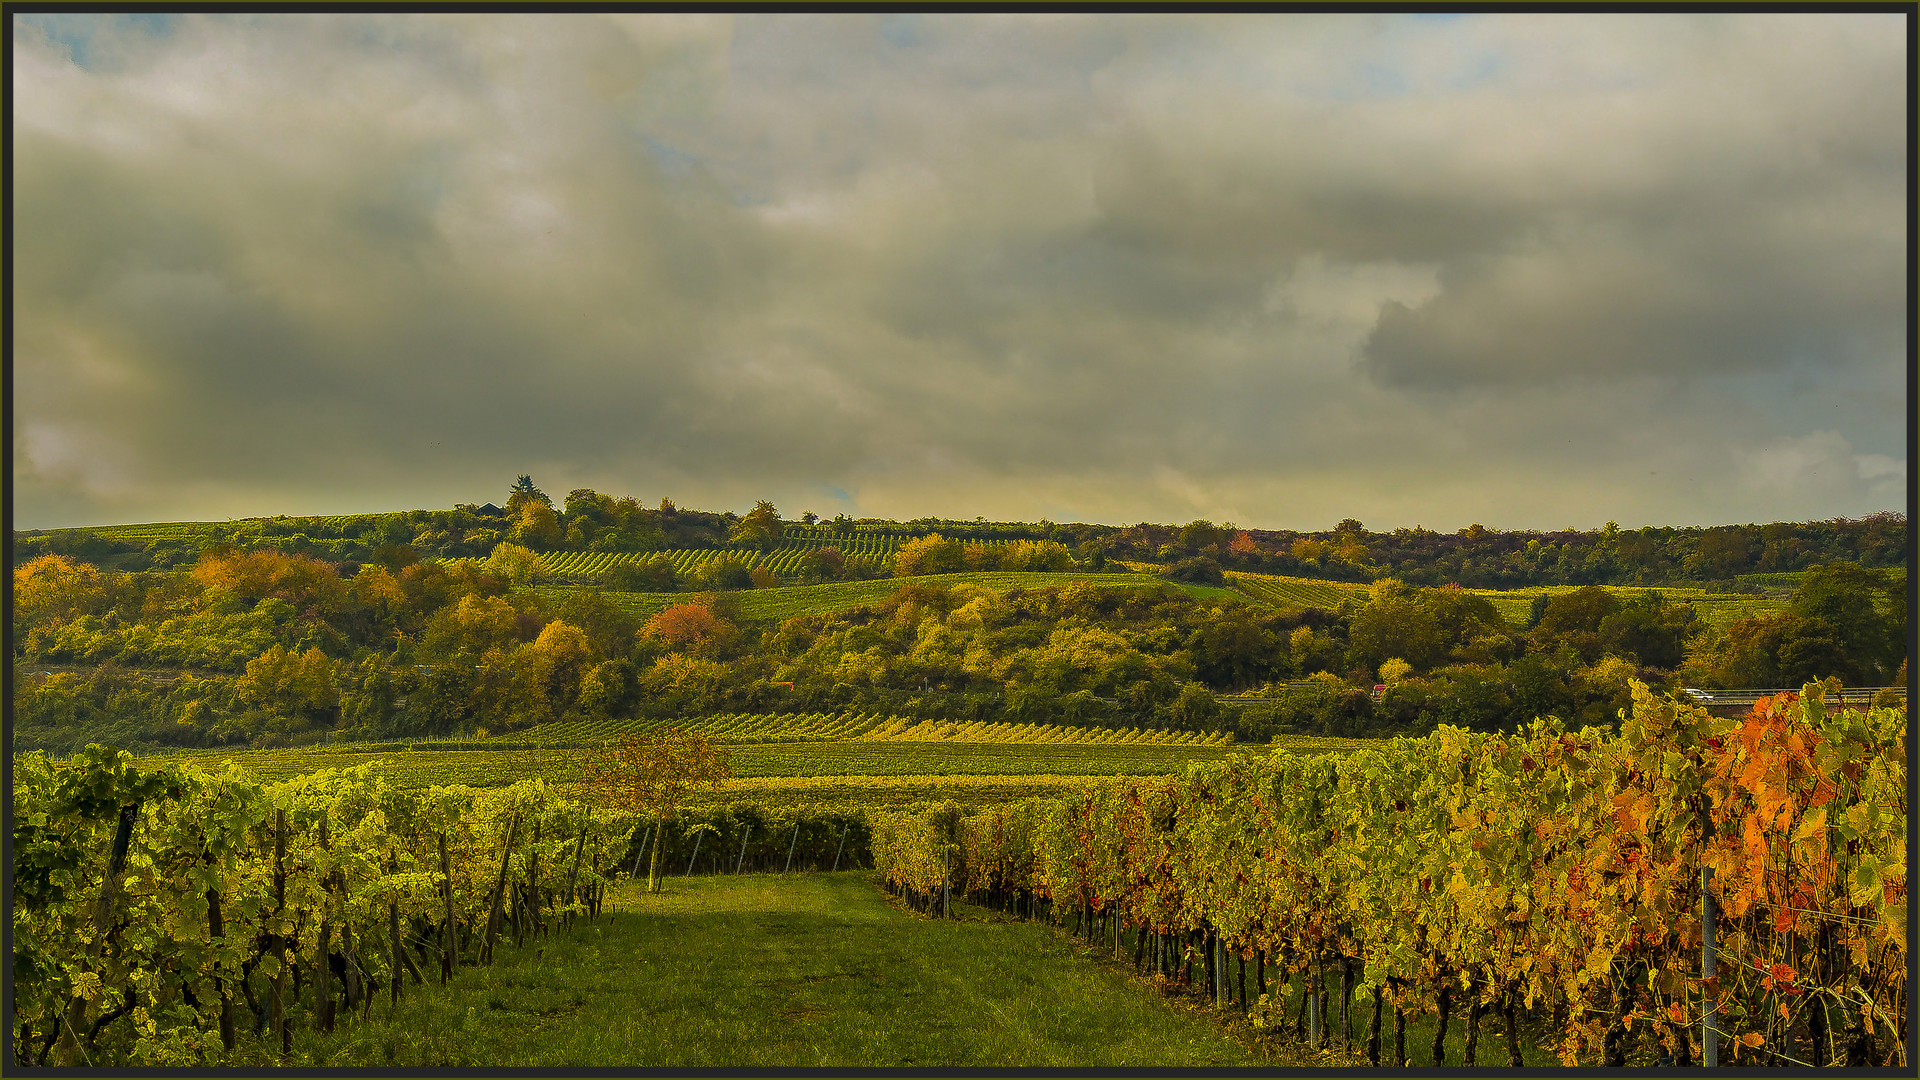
771	971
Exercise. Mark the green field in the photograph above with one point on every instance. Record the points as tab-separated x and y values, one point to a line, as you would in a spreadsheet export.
1514	605
1715	609
772	971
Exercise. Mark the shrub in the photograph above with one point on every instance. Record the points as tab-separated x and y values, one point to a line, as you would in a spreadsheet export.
1199	571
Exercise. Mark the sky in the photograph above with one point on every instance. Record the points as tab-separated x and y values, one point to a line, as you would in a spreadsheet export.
1533	271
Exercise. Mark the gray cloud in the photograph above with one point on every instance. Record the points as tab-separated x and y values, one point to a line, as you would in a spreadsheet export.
1532	271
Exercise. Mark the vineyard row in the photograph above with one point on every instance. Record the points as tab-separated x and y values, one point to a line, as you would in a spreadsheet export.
1550	872
172	917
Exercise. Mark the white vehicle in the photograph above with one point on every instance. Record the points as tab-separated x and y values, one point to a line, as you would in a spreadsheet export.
1697	695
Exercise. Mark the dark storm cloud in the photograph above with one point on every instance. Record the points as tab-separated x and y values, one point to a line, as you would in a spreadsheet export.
1533	270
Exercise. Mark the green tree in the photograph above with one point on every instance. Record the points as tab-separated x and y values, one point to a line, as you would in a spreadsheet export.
1649	630
1201	535
1863	612
761	527
524	492
1196	709
1395	624
823	564
1575	618
1723	552
1234	650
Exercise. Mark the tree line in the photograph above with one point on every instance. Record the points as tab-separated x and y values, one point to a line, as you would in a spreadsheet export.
1474	557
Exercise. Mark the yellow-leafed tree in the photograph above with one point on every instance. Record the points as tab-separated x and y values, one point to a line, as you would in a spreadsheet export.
650	775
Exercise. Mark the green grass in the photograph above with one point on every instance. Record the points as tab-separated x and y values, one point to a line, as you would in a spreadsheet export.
766	971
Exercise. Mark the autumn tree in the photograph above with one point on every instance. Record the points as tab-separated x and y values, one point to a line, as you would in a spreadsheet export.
515	563
931	554
651	775
538	527
690	628
296	690
54	589
251	576
463	632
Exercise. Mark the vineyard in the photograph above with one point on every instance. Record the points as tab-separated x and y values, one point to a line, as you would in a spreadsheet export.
1295	592
730	728
179	917
1554	874
904	729
873	548
818	727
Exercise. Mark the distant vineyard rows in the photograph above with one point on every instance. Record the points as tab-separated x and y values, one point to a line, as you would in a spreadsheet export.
815	727
873	548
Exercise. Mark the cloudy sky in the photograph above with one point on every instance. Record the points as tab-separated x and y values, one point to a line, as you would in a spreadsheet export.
1532	271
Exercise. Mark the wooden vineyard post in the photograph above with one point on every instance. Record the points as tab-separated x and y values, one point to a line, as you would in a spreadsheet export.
216	930
1709	1038
499	889
532	890
277	1010
843	844
352	957
70	1052
742	860
790	846
393	924
634	874
323	973
697	837
1313	989
1220	971
447	934
573	875
946	877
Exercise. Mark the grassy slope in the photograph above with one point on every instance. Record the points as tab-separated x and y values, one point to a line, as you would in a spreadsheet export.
783	972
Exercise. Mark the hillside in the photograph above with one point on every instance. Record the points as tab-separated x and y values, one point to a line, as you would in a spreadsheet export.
444	624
